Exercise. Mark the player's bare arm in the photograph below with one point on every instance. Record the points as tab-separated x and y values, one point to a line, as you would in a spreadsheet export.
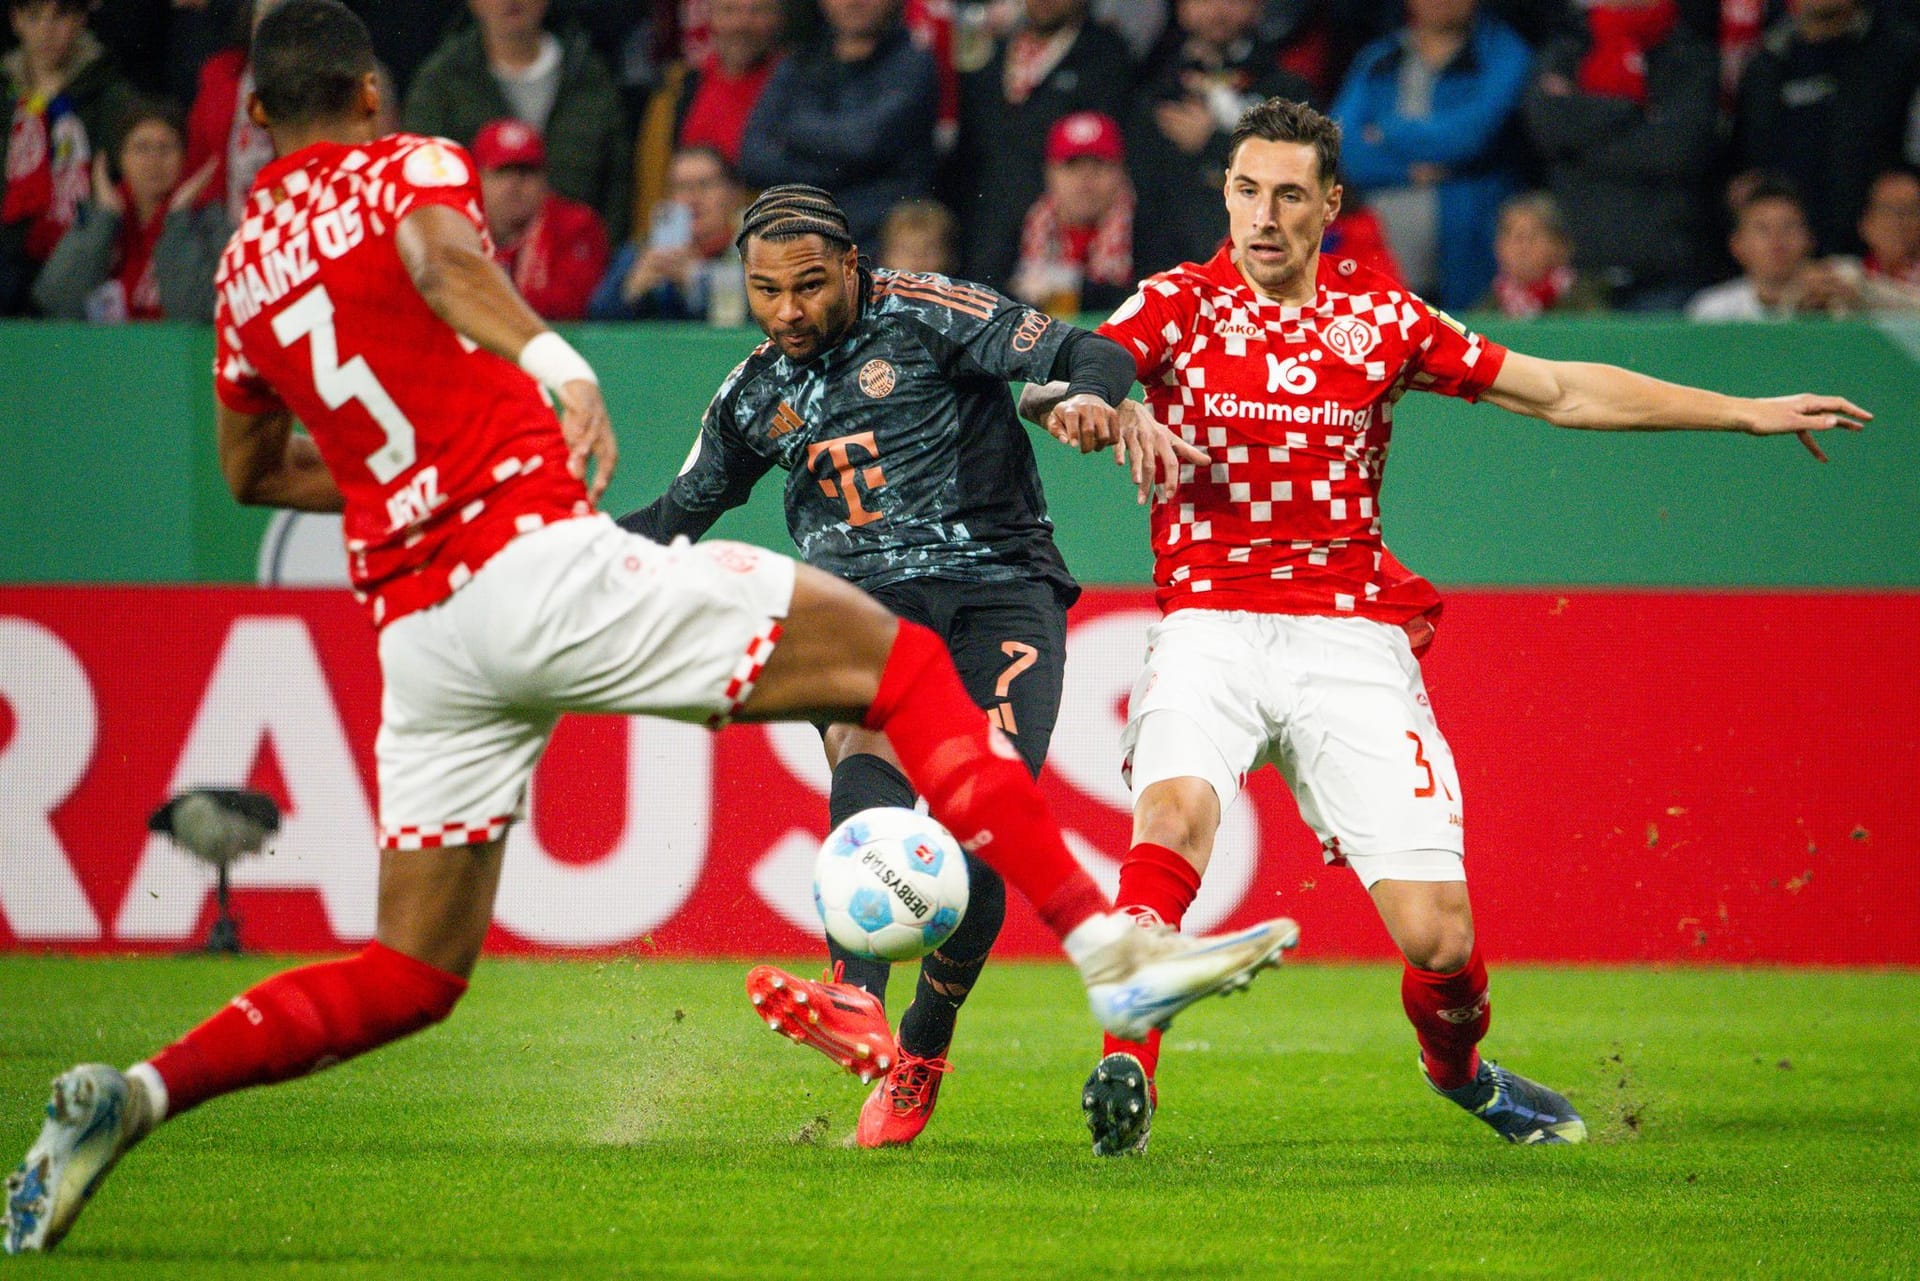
1608	398
1141	443
268	464
450	267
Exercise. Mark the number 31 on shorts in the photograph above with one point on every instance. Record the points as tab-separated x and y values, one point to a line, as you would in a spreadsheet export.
1426	787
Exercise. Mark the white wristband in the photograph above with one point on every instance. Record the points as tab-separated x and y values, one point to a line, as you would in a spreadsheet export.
552	363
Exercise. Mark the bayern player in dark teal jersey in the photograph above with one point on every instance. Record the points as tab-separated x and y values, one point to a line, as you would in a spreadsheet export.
884	396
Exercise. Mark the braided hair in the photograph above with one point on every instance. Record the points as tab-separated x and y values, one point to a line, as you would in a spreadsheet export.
792	210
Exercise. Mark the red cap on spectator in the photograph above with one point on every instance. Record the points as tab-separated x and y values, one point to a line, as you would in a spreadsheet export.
501	144
1083	135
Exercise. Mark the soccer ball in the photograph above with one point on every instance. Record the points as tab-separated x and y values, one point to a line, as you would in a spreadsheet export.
890	884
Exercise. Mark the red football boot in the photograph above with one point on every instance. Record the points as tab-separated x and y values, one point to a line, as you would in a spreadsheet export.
843	1022
900	1106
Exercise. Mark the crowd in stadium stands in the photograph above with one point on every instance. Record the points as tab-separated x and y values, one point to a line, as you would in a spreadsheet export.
1731	159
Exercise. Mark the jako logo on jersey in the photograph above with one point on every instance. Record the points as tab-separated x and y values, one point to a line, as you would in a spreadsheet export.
1238	327
1328	413
876	378
1351	338
1292	374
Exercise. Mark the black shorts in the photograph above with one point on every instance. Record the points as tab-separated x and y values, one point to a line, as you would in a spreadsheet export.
1009	642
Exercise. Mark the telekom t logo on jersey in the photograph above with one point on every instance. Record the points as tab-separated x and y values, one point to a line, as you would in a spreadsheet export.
839	452
1292	374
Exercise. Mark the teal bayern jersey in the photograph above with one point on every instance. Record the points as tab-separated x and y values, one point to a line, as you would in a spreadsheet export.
905	455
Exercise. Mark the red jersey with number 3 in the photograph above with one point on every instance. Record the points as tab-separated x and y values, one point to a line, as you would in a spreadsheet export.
444	452
1295	407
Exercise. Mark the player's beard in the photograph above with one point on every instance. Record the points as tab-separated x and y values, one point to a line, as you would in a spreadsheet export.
835	320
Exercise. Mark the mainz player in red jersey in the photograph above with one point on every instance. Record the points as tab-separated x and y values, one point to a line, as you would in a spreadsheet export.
1290	633
360	297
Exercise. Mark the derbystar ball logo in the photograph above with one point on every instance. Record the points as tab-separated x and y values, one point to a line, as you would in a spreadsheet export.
1292	374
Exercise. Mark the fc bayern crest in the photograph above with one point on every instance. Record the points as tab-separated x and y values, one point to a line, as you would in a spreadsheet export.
877	378
1351	338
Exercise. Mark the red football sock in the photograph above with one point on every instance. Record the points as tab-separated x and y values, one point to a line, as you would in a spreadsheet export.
974	781
1158	880
1450	1013
304	1019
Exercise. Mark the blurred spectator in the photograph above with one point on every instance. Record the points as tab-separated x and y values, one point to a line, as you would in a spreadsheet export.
852	111
1209	68
508	64
1057	64
686	267
1890	228
1076	246
554	248
1535	257
918	236
219	130
1140	23
1304	34
1539	22
63	98
1735	27
145	247
1888	277
1627	122
1774	248
638	41
1825	103
707	105
405	34
1428	116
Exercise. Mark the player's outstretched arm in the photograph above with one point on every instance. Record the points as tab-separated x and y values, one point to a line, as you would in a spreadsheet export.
268	465
441	250
1609	398
1140	441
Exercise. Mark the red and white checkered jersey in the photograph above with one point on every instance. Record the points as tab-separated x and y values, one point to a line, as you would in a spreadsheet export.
443	452
1295	407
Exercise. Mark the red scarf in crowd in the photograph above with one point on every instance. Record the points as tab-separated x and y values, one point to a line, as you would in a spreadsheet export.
133	270
1103	252
48	171
1521	300
1616	64
1031	59
1742	23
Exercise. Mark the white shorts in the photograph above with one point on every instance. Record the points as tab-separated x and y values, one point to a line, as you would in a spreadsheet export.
1337	705
579	616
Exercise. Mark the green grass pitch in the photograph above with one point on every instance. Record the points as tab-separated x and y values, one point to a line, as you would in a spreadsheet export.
633	1119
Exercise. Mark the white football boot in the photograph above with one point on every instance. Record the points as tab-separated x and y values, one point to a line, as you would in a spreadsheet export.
1138	977
94	1116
